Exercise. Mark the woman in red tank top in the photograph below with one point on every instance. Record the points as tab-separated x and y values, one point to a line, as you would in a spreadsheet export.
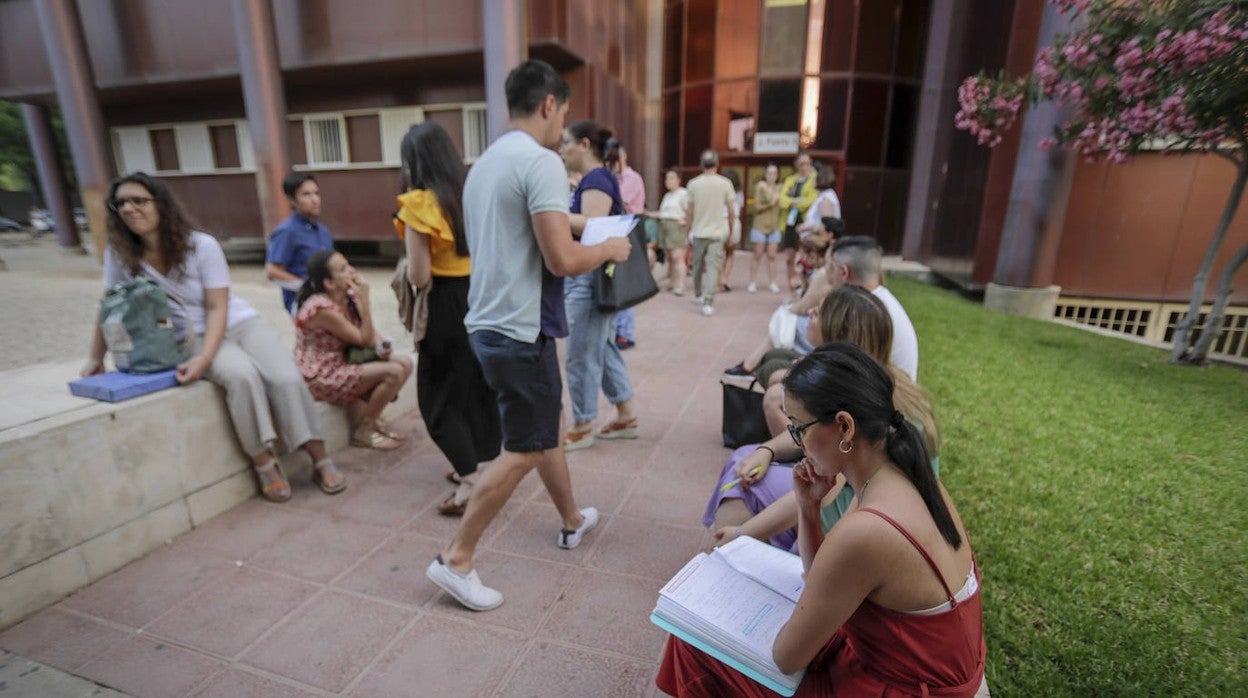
891	605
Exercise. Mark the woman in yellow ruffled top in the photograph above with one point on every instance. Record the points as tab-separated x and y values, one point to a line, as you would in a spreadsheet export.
459	408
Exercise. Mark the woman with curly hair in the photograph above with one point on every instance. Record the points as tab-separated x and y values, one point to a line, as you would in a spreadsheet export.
149	235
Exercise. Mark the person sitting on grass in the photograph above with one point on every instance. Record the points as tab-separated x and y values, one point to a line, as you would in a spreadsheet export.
892	602
760	503
334	313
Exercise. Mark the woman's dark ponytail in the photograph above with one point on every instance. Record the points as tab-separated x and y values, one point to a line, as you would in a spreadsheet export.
842	377
610	151
908	449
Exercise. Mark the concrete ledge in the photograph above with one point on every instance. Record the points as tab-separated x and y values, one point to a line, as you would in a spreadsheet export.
87	487
897	266
1038	303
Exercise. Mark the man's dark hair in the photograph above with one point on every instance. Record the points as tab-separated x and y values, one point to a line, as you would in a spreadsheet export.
848	241
528	84
293	181
709	159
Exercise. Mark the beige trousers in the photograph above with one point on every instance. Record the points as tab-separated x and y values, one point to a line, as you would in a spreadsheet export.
261	382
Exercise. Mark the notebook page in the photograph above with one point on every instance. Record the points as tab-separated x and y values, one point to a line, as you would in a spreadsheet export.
768	565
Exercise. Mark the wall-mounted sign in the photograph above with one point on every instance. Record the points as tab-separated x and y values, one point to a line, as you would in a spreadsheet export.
775	143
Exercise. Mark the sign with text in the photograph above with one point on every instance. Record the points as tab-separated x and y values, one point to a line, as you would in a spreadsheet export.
775	142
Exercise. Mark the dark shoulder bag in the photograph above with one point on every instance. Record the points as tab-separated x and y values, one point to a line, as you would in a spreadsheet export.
743	420
621	286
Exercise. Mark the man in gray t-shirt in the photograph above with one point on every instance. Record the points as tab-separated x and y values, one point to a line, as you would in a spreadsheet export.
516	222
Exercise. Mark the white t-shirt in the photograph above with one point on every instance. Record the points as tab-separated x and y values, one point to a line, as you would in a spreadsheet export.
813	215
905	342
515	178
204	268
675	205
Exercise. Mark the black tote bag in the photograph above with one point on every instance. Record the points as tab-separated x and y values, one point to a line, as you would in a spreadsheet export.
743	421
621	286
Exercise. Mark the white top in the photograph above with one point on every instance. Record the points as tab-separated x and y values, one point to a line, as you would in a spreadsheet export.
905	342
813	215
675	205
203	269
513	179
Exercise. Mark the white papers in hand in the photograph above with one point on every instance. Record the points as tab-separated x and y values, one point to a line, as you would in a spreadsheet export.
602	227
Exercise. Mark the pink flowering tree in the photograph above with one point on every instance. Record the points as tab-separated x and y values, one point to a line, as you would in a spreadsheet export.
1137	75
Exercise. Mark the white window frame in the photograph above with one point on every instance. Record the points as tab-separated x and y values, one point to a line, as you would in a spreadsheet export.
132	149
315	162
395	122
194	148
476	130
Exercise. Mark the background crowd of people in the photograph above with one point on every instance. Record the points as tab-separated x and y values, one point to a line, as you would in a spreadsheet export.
848	479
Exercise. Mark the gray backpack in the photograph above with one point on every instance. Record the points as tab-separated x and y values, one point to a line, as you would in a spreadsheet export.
135	321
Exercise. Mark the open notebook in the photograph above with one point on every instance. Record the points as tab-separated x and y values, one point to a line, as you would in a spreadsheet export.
731	604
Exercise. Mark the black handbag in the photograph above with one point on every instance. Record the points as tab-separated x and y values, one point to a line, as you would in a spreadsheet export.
743	420
621	286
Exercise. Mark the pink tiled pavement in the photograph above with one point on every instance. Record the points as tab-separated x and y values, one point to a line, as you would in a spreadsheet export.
327	595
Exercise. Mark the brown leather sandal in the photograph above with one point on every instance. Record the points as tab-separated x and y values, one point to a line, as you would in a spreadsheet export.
273	484
327	476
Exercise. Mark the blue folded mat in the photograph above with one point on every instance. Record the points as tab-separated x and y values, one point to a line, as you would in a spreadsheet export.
117	386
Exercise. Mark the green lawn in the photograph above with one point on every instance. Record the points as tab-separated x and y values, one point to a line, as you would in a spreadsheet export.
1104	491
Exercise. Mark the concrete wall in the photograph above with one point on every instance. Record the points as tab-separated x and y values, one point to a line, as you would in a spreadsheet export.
93	486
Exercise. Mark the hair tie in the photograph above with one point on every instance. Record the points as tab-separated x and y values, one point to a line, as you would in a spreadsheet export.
898	420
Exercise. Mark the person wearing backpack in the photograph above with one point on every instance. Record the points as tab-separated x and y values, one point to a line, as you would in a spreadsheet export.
149	235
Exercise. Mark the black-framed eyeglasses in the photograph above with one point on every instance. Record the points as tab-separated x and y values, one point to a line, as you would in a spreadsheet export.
135	201
797	432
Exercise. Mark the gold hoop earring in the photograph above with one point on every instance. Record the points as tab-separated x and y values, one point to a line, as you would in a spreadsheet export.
843	447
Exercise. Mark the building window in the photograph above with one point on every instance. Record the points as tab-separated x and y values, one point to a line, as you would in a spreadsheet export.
779	103
165	149
364	138
224	139
395	123
700	41
697	118
476	131
194	148
784	38
671	129
673	39
132	149
325	136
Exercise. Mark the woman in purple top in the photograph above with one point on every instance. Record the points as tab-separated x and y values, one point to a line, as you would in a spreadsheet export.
593	359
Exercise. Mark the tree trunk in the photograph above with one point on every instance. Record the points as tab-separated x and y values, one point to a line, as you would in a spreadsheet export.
1213	324
1180	352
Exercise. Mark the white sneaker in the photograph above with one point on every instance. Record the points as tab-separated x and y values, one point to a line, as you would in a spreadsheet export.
570	539
773	288
708	310
752	288
466	588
